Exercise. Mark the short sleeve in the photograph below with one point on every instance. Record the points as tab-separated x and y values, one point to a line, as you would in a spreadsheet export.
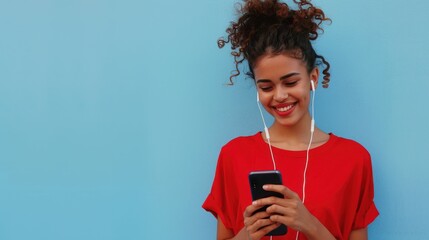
216	202
367	211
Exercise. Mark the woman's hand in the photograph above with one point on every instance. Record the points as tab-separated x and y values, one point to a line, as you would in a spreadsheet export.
291	212
257	224
288	210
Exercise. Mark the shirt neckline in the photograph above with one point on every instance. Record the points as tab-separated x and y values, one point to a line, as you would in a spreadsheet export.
300	153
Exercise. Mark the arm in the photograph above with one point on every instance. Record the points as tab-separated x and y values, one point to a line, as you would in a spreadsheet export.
316	230
323	233
359	234
224	233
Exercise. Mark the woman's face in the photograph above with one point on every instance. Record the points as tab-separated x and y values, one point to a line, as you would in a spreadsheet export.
283	85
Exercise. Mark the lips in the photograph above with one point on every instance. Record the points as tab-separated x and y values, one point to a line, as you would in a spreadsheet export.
284	109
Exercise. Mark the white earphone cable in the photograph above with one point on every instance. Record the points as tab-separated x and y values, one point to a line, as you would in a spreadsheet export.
309	146
267	135
308	149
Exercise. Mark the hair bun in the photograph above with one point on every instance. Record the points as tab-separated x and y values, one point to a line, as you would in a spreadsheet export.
261	22
305	19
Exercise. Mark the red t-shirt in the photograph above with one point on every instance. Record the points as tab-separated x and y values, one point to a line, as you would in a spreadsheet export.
339	183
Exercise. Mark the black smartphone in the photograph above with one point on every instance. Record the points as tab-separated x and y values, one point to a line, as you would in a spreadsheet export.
258	179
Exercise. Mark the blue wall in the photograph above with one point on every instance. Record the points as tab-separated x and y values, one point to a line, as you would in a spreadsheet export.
112	113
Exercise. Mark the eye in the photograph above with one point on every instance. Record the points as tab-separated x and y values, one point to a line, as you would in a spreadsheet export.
290	83
265	88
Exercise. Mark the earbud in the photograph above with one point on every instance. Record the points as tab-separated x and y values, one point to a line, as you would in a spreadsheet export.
313	88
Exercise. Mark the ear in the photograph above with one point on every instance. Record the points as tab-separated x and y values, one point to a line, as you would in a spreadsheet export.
314	75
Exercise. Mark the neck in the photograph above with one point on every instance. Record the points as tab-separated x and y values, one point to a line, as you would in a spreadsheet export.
297	135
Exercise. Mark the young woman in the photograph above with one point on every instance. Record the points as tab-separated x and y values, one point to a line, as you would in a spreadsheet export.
327	180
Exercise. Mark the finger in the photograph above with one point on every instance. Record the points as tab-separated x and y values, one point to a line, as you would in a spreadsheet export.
250	210
287	207
268	201
263	231
287	193
259	224
248	221
282	219
286	220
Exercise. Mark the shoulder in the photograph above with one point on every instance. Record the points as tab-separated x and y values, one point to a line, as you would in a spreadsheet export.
349	145
242	142
240	149
350	149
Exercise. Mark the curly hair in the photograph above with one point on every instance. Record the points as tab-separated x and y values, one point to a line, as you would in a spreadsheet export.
270	26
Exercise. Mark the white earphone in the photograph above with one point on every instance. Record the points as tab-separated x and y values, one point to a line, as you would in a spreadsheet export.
313	88
267	135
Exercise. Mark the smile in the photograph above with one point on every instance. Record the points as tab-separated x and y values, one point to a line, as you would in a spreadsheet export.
284	109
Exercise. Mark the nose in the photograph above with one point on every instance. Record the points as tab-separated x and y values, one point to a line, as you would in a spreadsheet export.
280	94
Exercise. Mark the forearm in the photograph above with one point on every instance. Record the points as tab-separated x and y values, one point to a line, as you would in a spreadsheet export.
226	234
242	235
317	231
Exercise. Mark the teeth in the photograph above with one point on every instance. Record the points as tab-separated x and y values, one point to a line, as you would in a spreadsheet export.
284	109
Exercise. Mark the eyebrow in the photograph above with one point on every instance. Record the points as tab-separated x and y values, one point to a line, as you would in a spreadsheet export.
284	77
